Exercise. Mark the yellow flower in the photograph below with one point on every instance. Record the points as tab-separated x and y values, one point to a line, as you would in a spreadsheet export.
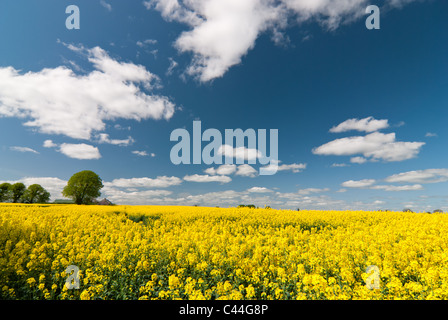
173	282
31	281
223	253
250	292
85	295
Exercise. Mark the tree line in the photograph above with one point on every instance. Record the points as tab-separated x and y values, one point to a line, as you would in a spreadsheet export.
83	187
19	193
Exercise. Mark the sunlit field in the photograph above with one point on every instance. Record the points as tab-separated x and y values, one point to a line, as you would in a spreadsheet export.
170	252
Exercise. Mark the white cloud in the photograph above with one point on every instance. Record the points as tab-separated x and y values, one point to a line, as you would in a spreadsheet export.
308	191
207	178
376	146
294	167
23	149
398	188
119	127
104	138
329	13
358	183
241	153
222	198
359	160
430	134
49	144
80	151
340	165
368	124
173	64
399	3
53	185
140	153
222	32
146	42
106	5
259	190
246	170
370	184
145	182
420	176
143	153
225	169
136	197
275	167
59	101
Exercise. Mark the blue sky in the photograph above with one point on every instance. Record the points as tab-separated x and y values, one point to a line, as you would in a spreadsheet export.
361	114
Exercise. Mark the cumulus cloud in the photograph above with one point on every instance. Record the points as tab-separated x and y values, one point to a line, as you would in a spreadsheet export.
136	197
259	190
59	101
23	149
275	167
358	183
207	178
146	42
294	167
222	32
420	176
368	124
370	184
398	188
143	153
144	182
308	191
359	160
225	169
49	144
104	138
53	185
376	146
239	153
246	170
80	151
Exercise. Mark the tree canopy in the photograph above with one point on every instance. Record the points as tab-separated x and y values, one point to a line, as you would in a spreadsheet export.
17	190
19	193
5	192
83	187
35	193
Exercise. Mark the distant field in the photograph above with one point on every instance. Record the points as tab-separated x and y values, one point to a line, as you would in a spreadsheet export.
169	252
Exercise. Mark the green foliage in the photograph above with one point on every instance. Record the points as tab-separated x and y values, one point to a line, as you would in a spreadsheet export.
5	192
83	187
35	193
17	191
247	206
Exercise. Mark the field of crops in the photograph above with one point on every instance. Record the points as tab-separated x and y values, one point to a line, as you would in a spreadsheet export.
162	252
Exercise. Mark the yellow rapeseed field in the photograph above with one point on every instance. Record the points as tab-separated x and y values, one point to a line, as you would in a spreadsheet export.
171	252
